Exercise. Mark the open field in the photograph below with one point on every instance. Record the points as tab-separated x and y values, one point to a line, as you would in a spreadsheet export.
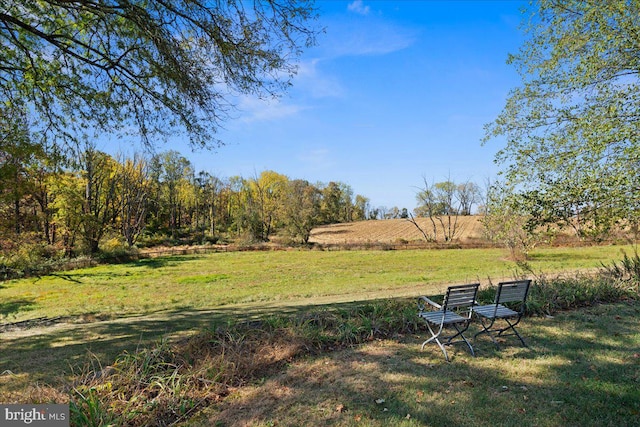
98	313
201	282
393	231
145	300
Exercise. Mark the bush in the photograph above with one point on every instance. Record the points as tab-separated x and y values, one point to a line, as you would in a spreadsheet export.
115	248
25	256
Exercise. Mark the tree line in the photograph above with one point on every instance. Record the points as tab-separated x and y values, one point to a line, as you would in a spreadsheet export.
77	204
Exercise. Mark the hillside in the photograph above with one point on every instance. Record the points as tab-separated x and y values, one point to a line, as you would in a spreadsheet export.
395	231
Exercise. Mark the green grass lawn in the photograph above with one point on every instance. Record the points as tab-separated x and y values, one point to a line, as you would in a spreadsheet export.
216	280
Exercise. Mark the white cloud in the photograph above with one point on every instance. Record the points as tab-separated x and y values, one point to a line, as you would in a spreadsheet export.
255	109
318	84
373	36
358	6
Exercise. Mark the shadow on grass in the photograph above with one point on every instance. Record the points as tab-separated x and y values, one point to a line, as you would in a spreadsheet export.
50	354
7	308
581	368
69	277
79	276
161	262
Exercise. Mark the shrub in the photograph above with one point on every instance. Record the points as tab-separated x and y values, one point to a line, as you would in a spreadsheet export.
115	248
26	257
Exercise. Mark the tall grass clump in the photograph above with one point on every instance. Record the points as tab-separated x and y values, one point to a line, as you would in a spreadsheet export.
627	270
549	295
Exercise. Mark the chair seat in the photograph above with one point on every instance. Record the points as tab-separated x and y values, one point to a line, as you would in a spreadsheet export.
436	317
500	312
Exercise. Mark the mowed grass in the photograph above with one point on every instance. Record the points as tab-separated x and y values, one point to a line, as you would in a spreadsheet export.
211	281
582	368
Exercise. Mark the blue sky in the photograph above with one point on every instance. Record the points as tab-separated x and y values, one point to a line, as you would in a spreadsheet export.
393	92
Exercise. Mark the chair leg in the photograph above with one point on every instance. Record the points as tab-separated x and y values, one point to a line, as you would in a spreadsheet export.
460	332
515	331
444	350
485	330
434	336
499	332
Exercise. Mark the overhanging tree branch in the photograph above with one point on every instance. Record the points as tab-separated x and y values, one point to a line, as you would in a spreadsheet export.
179	59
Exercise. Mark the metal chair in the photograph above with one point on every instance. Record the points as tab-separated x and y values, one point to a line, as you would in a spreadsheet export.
513	292
455	311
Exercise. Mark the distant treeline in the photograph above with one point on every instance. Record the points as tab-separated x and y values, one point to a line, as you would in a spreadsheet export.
95	201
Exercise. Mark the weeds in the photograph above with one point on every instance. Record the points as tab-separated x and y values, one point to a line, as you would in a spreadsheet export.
627	270
563	293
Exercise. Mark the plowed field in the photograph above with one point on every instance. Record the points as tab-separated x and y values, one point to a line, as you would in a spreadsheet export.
395	231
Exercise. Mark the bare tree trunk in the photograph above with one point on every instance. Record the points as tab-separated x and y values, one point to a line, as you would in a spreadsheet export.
413	221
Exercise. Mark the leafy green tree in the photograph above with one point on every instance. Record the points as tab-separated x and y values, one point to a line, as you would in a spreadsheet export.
572	126
337	203
101	204
173	173
210	188
507	221
151	67
301	207
237	203
268	192
134	193
67	189
361	208
17	153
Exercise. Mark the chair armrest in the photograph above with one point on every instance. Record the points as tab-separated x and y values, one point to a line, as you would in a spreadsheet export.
422	300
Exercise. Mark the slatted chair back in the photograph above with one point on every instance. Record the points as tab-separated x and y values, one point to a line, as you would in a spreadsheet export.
514	291
460	296
449	314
